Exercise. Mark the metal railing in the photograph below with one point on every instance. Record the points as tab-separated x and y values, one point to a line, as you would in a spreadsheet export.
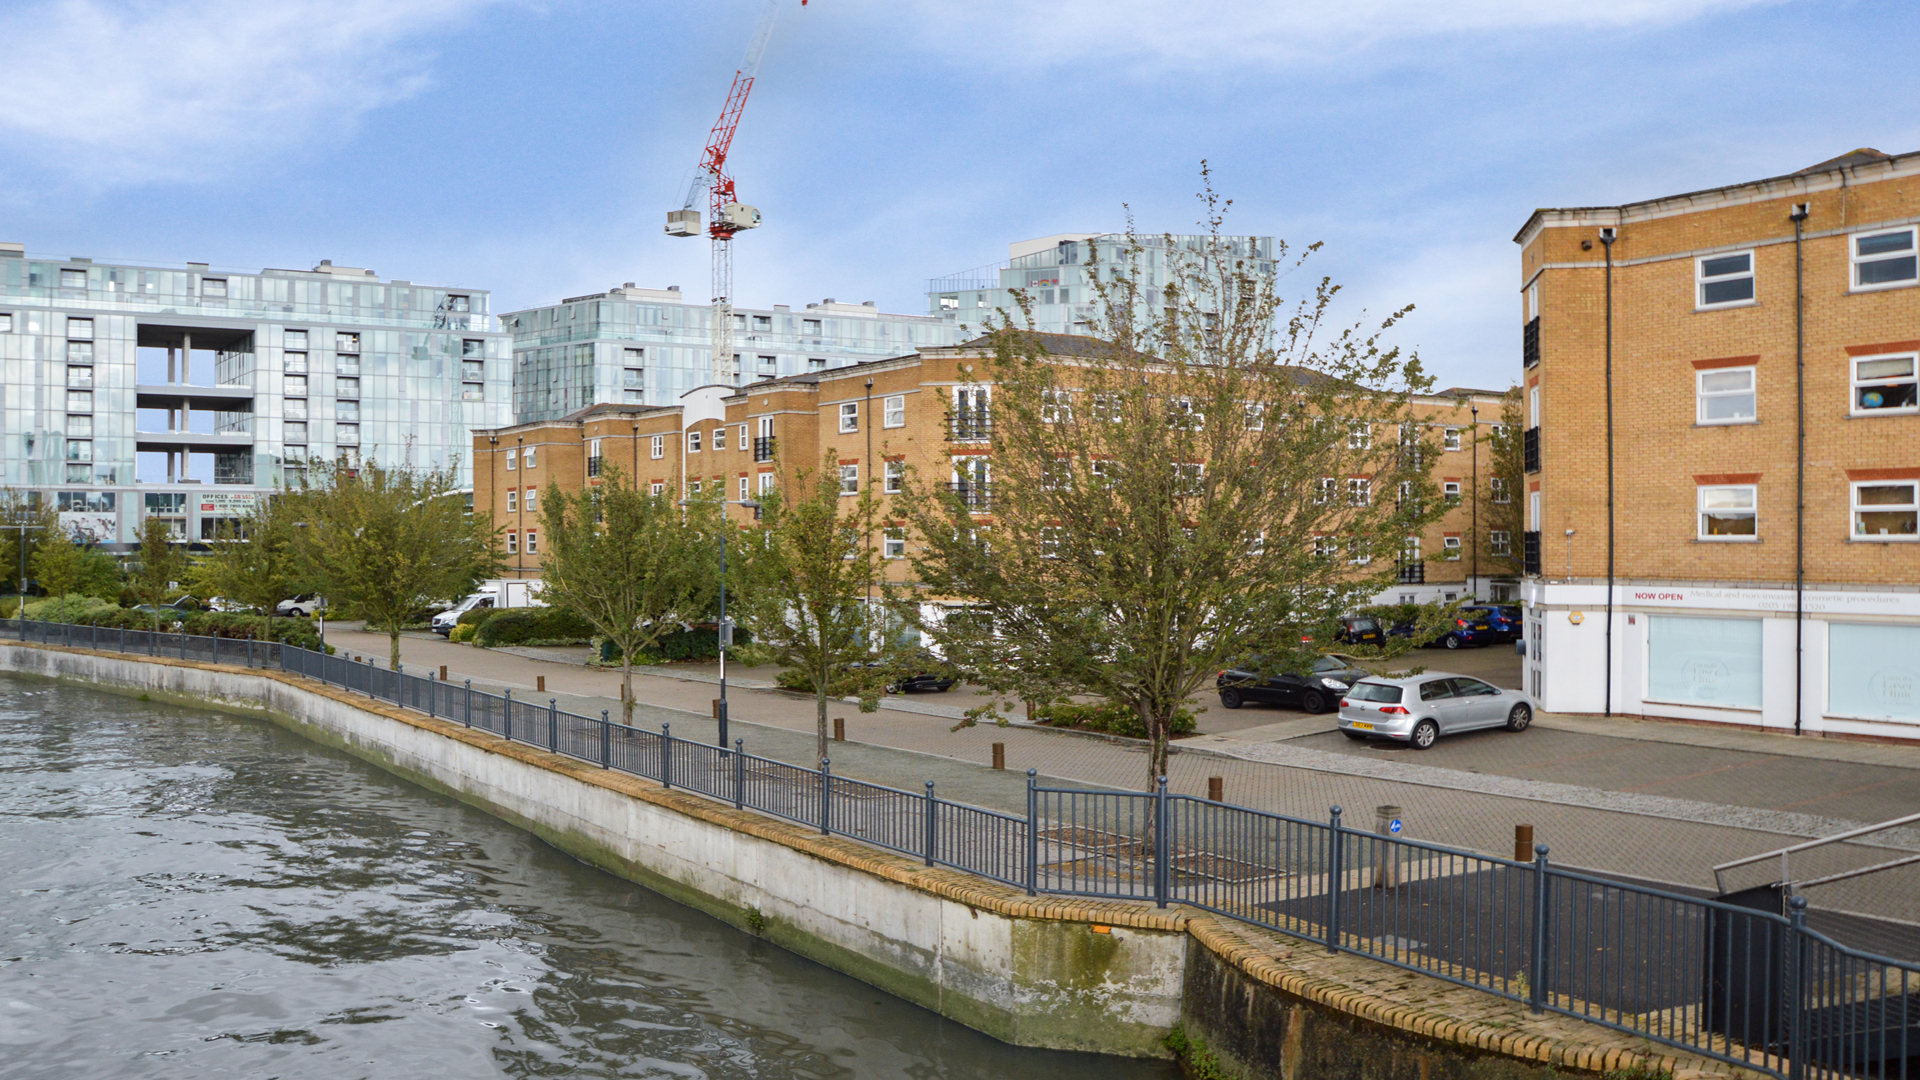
1530	552
1530	343
1736	980
977	497
593	466
970	426
1530	449
1413	571
763	447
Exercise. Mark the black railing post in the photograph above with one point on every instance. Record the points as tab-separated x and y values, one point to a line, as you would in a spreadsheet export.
1162	880
469	708
433	696
1796	984
930	822
666	755
1033	834
1333	881
1541	941
507	724
553	724
826	796
606	741
739	774
249	652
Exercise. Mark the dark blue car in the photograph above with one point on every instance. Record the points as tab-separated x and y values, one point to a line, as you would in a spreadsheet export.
1471	627
1504	619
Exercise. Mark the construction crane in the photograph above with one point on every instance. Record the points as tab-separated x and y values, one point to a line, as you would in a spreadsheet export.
727	216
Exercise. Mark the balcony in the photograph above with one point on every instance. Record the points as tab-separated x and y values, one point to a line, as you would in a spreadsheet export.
1530	542
970	427
593	466
978	497
1530	343
763	448
1413	572
1531	449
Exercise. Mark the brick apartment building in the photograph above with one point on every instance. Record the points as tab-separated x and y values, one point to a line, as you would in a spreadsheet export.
1723	453
878	418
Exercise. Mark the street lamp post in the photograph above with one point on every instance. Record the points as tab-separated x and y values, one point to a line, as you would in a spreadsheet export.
724	634
21	612
1475	407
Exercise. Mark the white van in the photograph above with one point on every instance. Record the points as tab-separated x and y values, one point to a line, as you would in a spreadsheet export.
504	592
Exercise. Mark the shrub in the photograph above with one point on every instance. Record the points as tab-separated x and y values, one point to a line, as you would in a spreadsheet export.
533	626
297	632
70	608
699	643
1110	717
462	632
475	616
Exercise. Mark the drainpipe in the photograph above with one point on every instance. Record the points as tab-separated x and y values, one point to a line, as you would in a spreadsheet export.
1606	239
868	409
1799	216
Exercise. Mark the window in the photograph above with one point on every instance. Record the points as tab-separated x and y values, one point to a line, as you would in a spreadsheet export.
79	401
1188	478
346	388
763	322
79	449
744	493
346	434
1107	407
347	410
1874	672
473	371
633	378
1884	384
1727	512
811	326
1451	491
1724	396
656	488
471	347
1056	474
896	477
894	411
1182	414
80	329
849	416
513	458
766	482
294	408
513	542
346	343
1452	435
294	339
1326	547
1103	471
213	286
6	322
295	362
513	501
1056	406
693	442
1884	259
1499	491
1328	487
79	427
533	496
895	544
1050	536
80	378
458	303
659	446
849	479
1500	542
1450	548
693	488
719	438
73	279
1358	552
1359	435
815	363
533	542
1359	491
769	363
1725	280
1256	415
1885	510
1704	661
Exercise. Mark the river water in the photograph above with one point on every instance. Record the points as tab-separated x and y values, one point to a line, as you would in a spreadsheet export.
188	893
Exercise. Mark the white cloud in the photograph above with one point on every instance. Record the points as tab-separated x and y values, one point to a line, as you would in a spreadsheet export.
170	89
1199	32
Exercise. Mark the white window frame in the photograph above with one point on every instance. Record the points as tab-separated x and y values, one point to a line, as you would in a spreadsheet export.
513	542
1701	395
850	479
530	502
79	329
656	489
895	478
530	461
1452	438
1751	511
1701	281
742	433
513	501
1499	491
1359	491
659	448
893	543
1359	435
533	541
1056	406
1855	509
693	442
1856	384
720	438
849	417
1855	261
1189	477
745	489
766	482
1500	542
1256	415
1357	552
893	411
1450	548
1450	491
513	458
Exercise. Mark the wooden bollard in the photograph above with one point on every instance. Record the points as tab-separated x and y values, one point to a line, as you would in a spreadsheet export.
714	705
999	755
1215	786
443	673
1523	843
839	729
540	683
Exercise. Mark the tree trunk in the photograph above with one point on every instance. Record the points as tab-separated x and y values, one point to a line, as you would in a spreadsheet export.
626	687
820	708
1158	732
393	651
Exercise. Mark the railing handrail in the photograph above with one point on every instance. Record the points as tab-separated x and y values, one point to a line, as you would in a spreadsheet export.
1809	845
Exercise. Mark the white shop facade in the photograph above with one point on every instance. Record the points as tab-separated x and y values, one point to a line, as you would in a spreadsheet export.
1736	655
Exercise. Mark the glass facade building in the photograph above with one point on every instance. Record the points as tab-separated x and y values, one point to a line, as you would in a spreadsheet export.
1054	271
187	391
647	347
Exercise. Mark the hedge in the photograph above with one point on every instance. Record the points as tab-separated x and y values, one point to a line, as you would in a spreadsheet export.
477	615
1109	717
297	632
699	643
533	626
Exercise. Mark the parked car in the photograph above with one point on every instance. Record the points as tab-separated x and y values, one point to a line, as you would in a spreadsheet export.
1360	630
1421	708
1315	690
1470	627
172	608
1504	618
929	675
301	606
444	622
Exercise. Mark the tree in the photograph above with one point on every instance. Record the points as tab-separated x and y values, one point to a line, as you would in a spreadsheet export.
1504	509
634	565
25	520
158	565
254	565
1210	480
65	568
803	581
383	542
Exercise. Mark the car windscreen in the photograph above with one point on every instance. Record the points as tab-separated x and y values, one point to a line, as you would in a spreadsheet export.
1373	691
1362	625
1328	663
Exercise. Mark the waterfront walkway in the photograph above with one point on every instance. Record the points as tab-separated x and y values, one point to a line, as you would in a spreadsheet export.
1657	802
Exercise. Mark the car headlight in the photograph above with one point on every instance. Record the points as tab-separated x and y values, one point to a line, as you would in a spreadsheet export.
1333	684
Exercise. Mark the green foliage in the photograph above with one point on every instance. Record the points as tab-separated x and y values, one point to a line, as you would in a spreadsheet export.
475	616
678	646
77	608
463	632
158	564
534	626
1199	1062
39	519
632	564
1111	717
253	565
94	612
385	541
64	568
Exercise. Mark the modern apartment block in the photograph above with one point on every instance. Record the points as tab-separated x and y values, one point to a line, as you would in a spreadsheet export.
186	392
879	418
1723	453
635	346
1054	271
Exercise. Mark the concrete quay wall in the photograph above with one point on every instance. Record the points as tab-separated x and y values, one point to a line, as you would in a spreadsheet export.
1052	972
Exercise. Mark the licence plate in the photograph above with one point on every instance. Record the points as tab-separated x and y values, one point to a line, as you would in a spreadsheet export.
1363	726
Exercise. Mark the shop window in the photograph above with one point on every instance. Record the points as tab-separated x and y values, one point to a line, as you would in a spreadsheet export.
1874	672
1727	512
1693	661
1724	396
1884	384
1886	510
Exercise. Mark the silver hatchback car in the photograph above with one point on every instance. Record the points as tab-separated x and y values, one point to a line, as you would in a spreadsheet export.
1421	708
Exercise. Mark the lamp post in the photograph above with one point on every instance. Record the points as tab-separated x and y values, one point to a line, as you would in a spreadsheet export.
21	612
1475	532
724	633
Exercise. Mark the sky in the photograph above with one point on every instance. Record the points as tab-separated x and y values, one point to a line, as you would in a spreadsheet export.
534	147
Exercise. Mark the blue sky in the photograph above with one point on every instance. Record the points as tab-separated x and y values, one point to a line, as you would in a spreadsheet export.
534	148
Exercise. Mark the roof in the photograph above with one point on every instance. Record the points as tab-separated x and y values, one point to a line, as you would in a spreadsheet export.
1847	160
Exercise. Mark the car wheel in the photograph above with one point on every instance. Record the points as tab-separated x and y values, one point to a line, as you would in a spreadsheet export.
296	613
1453	641
1425	734
1519	718
1356	736
1313	701
1231	699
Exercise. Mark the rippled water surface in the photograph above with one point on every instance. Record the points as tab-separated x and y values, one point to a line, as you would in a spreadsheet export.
186	893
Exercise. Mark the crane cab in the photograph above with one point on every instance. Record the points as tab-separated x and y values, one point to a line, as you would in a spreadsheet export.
738	216
684	223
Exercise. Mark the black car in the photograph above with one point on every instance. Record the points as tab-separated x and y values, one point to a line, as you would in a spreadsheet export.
1315	691
1360	630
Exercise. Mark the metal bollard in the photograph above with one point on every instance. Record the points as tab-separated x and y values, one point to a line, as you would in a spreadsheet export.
1386	853
443	673
1334	882
553	724
739	774
1162	844
1541	940
1522	843
606	741
508	711
1033	834
469	708
666	755
999	755
932	803
826	796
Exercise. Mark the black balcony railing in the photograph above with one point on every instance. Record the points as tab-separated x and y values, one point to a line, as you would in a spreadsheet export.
1530	548
1530	342
978	497
593	466
1531	449
1413	572
971	427
763	448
